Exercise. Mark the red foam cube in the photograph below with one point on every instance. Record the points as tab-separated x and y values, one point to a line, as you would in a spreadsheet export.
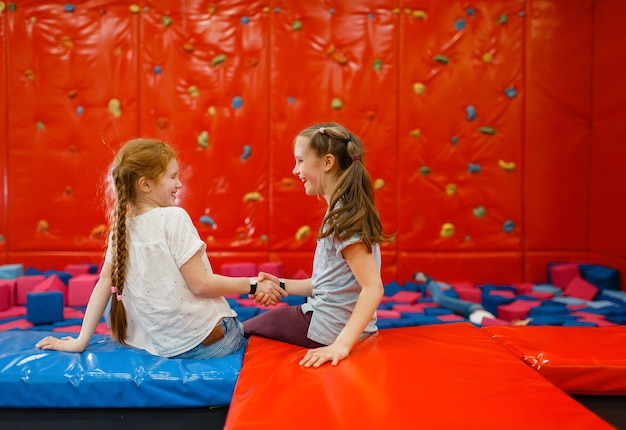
581	289
409	297
387	313
562	274
24	285
517	310
79	289
77	269
7	294
275	268
471	294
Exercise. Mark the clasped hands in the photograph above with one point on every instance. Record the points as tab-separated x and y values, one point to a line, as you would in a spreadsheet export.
268	291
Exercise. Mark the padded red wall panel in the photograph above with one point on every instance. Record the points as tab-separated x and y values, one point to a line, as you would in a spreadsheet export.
3	137
558	124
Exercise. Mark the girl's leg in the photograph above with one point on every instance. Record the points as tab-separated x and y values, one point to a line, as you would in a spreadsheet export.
288	324
458	306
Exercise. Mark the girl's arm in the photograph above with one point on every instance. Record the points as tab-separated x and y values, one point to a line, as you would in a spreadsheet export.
366	273
100	296
206	284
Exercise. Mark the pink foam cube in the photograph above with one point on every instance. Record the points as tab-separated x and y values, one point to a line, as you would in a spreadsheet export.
239	269
502	293
275	268
523	288
541	295
562	274
408	309
77	269
471	294
52	283
24	285
79	289
517	310
406	297
387	313
7	294
581	289
490	322
450	317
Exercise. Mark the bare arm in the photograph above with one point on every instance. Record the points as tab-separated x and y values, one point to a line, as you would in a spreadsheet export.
206	284
366	272
95	308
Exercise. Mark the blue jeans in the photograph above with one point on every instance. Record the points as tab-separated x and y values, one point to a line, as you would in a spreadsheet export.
456	305
231	342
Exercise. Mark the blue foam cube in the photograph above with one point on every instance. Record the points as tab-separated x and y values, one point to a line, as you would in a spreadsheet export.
44	307
11	271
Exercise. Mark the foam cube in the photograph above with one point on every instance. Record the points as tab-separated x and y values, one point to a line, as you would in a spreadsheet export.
562	274
79	289
24	285
11	271
275	268
44	307
52	283
409	297
471	294
77	269
239	269
605	278
7	294
581	289
517	310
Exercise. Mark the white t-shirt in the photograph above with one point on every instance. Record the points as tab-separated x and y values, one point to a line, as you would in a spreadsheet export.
164	317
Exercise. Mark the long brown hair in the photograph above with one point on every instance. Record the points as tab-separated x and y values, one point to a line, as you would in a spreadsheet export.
356	212
137	158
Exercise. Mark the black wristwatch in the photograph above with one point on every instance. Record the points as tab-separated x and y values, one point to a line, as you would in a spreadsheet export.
281	282
253	284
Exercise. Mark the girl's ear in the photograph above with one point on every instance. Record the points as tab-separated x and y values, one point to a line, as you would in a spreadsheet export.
143	184
329	162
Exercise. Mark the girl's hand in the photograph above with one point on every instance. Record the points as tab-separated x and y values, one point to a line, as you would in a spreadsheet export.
318	356
67	344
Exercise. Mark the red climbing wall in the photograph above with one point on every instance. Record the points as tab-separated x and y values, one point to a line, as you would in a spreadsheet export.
478	134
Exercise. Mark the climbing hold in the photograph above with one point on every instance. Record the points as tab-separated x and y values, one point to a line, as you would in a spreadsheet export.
469	11
296	25
80	110
415	132
247	150
40	125
252	196
377	64
508	226
211	8
12	7
42	226
488	57
473	168
379	183
98	230
447	230
470	113
2	6
291	100
244	20
212	110
115	108
424	170
188	48
207	220
157	70
441	59
29	75
479	211
288	182
203	139
419	88
503	19
193	91
303	232
67	42
134	8
510	92
166	20
459	24
508	166
419	14
340	58
237	102
451	189
487	130
336	103
219	58
69	7
454	140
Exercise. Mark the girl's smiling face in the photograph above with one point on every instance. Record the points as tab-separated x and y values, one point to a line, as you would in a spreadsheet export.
309	167
164	189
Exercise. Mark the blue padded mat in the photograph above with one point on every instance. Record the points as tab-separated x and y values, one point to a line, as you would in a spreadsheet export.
108	375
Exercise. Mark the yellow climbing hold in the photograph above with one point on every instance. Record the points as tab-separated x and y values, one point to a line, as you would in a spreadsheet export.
134	8
253	196
336	103
488	57
115	108
98	230
451	189
212	110
415	133
2	6
42	226
507	165
203	139
303	232
379	183
419	88
219	58
447	230
419	14
193	91
296	25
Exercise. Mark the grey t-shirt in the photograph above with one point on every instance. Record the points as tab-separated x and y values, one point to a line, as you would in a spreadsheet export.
335	290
